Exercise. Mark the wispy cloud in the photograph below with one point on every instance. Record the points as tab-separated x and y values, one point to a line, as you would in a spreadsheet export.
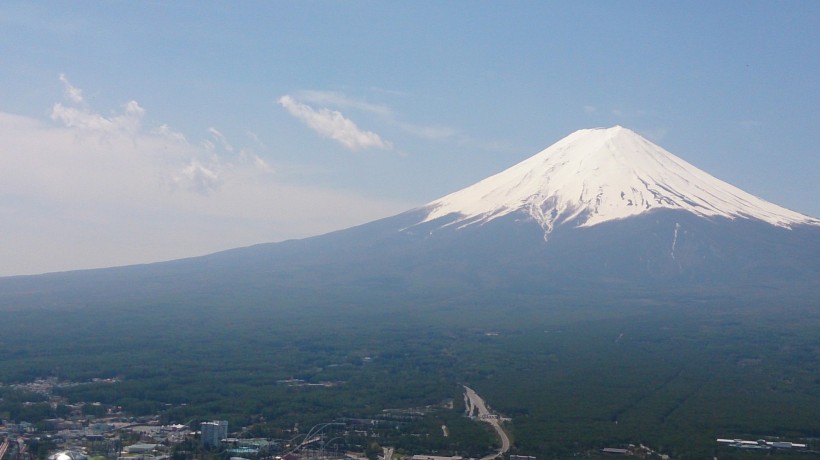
220	138
84	119
198	177
166	132
85	188
335	99
112	154
334	125
78	115
73	93
384	114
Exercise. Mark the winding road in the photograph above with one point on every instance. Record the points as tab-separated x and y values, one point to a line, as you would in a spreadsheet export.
477	405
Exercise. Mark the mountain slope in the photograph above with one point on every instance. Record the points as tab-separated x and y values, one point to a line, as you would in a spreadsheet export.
601	214
599	175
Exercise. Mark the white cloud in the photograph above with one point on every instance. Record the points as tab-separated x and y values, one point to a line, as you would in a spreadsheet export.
340	100
221	138
121	142
255	138
73	117
334	125
81	189
383	113
198	178
75	95
167	132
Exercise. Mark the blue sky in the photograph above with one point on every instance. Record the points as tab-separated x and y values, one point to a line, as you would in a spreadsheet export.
133	132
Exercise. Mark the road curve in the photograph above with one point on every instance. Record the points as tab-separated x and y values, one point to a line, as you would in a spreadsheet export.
477	404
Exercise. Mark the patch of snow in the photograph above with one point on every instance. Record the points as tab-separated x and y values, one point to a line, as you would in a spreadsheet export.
598	175
675	240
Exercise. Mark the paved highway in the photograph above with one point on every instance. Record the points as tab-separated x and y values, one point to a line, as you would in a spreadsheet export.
476	404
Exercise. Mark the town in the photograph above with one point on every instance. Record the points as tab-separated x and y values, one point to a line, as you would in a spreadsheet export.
59	430
90	431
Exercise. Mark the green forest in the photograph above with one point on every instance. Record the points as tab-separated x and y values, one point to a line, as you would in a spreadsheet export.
572	376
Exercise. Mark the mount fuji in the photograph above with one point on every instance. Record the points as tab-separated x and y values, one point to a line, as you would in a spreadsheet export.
611	208
602	212
599	175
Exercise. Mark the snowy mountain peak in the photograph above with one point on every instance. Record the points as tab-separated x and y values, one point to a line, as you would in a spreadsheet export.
597	175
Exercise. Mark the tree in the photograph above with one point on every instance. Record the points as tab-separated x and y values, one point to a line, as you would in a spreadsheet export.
373	450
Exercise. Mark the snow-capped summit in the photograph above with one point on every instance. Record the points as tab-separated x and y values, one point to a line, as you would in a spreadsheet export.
598	175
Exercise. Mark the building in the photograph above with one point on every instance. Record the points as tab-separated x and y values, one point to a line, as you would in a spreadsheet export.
213	433
140	448
433	457
761	444
68	455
